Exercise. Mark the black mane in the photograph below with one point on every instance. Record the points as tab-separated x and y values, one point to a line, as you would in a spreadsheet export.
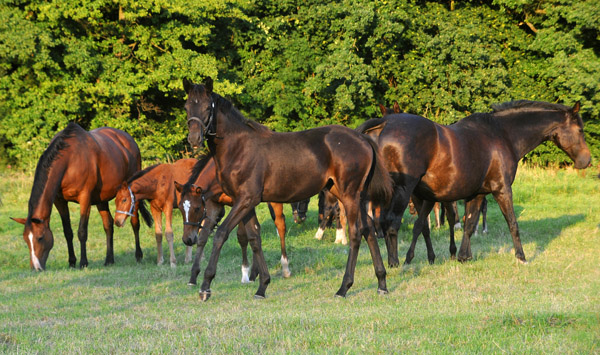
196	170
49	156
526	105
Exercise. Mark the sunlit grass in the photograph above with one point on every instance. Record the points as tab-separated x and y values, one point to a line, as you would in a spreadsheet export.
492	304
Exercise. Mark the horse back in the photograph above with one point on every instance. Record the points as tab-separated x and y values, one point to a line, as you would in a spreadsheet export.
99	161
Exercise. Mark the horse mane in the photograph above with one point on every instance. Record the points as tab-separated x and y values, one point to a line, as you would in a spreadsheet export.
57	145
222	103
141	173
526	105
196	170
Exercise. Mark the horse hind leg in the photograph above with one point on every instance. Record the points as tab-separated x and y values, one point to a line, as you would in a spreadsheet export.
157	215
82	232
340	231
108	223
281	227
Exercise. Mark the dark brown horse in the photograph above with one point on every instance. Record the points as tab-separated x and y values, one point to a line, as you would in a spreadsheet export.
254	164
156	184
202	205
83	167
467	160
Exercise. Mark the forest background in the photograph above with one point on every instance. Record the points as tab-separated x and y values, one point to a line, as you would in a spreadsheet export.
288	64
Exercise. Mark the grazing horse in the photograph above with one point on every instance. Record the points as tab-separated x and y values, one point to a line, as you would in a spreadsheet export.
253	165
156	184
331	211
202	204
83	167
469	159
299	210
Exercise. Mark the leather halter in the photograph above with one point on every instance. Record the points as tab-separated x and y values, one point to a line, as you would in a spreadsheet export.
130	213
209	125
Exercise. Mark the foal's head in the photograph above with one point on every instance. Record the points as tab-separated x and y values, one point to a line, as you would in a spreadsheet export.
191	206
124	203
200	108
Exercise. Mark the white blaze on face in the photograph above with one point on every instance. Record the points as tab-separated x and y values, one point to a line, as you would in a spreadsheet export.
186	208
34	258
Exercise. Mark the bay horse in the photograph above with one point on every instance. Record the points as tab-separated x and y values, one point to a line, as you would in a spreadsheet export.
83	167
299	210
156	184
253	165
469	159
202	204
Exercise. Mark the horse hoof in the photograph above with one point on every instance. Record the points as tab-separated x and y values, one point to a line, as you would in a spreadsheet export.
259	297
173	265
464	259
382	292
286	274
190	283
204	295
522	261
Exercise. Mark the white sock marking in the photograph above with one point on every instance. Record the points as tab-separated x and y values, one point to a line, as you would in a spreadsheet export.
245	274
319	234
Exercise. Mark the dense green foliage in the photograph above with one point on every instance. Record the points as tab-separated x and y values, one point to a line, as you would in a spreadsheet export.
289	64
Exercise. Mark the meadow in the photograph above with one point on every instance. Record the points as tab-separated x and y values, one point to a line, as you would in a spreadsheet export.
491	304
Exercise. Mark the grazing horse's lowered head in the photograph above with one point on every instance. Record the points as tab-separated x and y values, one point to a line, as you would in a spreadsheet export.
39	239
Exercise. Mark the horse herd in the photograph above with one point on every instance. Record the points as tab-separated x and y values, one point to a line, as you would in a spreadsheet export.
373	171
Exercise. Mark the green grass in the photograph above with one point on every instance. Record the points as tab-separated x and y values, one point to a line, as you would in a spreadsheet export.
492	304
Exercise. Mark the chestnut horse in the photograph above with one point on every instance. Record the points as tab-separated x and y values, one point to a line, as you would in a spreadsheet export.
253	164
202	204
156	184
469	159
83	167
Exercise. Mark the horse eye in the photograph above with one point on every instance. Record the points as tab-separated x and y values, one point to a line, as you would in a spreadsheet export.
124	200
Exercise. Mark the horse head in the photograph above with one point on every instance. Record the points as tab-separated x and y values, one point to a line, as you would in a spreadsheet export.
192	208
39	239
200	108
124	203
569	137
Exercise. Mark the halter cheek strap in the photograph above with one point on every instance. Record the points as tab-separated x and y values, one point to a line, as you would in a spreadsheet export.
206	127
130	213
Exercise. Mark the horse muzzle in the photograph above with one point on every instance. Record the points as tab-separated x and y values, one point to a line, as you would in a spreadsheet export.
583	160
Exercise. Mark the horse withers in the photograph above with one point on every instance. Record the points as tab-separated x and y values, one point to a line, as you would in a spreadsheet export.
469	159
83	167
156	184
253	165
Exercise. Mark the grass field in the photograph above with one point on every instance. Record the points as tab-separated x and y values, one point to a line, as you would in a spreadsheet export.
489	305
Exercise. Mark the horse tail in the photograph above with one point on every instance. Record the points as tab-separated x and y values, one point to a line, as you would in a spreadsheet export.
143	210
380	187
271	211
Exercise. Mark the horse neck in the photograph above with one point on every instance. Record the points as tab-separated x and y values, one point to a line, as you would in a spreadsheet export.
42	207
145	187
527	130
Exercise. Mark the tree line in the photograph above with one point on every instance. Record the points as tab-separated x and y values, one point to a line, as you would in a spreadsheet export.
288	64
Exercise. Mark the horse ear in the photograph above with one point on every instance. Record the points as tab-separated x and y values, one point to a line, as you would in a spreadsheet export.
396	107
19	220
208	84
178	186
124	185
383	110
576	107
187	85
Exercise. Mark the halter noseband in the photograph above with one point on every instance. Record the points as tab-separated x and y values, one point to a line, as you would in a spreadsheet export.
130	213
196	224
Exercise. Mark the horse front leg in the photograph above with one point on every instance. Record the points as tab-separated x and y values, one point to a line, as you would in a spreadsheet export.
340	229
394	217
281	227
82	232
157	216
252	228
471	215
135	226
242	237
63	211
213	210
505	201
108	224
240	209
